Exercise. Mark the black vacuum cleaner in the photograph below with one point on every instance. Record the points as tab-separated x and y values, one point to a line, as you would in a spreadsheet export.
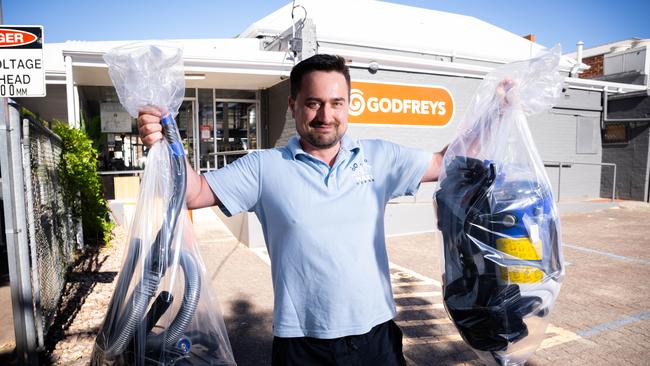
486	224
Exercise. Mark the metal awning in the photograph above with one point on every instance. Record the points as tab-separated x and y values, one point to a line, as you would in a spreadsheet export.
89	69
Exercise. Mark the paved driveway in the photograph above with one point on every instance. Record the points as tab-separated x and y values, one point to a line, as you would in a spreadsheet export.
602	316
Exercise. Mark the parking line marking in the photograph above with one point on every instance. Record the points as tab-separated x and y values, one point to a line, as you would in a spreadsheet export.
629	319
418	283
608	254
405	295
416	323
416	294
413	273
561	336
434	339
420	307
554	335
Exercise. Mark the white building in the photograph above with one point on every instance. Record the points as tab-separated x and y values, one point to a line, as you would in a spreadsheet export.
236	96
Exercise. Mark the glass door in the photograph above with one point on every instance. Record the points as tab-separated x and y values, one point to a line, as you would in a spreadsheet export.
236	126
186	126
251	113
206	137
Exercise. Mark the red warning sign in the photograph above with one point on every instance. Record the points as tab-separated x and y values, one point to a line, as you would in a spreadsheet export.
14	37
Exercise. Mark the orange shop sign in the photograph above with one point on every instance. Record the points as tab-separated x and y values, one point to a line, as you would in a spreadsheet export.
395	104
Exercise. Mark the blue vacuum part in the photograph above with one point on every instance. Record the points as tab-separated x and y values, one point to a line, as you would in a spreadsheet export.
171	134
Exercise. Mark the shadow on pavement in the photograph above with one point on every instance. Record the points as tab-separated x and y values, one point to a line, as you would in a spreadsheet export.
80	282
250	333
8	357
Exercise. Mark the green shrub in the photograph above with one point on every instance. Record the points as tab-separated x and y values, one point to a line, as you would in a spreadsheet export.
82	186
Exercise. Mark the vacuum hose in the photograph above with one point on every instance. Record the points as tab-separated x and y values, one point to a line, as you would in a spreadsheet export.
122	332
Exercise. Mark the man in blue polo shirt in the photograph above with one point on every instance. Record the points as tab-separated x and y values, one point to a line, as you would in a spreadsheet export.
321	202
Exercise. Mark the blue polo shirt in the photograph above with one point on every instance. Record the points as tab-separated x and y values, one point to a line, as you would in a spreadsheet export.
324	229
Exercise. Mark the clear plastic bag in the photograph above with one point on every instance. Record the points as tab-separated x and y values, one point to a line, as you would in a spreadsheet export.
500	228
147	75
162	311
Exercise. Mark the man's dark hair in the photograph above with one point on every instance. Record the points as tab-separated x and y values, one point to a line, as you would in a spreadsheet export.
320	62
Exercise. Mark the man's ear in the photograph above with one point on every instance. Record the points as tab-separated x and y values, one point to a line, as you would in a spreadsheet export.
292	106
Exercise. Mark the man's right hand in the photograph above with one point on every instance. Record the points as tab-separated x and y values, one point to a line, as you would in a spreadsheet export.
149	126
198	193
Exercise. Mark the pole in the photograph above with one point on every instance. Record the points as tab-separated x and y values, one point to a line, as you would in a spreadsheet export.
16	233
13	194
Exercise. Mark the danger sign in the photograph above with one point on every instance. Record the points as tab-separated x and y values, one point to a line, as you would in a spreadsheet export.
21	61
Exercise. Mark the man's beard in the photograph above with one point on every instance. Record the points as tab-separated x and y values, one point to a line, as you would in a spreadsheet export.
322	140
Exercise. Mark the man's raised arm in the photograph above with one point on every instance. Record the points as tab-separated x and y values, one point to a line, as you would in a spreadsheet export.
435	165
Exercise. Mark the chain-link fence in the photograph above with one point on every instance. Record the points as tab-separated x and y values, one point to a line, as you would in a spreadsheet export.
53	234
30	159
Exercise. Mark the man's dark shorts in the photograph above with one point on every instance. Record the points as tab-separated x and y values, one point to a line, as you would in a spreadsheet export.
381	346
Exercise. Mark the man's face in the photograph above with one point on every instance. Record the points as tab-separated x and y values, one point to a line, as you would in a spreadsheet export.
321	108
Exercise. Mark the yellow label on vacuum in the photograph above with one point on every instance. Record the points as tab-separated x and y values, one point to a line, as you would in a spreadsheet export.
524	249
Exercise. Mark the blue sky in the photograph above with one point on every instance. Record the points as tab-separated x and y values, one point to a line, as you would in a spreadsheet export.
553	21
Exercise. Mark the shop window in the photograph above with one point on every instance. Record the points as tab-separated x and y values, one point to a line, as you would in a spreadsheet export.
185	122
119	145
121	152
216	127
236	129
207	139
616	133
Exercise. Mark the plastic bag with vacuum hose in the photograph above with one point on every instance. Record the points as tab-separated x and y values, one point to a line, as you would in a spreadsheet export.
163	311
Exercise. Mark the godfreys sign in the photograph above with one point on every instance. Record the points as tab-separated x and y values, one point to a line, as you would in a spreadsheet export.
395	104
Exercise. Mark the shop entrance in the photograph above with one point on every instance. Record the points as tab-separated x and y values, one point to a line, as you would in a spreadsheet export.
232	134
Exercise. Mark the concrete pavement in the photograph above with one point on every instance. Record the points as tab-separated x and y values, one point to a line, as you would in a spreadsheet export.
602	316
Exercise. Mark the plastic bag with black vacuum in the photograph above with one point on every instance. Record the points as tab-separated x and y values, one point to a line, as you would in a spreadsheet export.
498	220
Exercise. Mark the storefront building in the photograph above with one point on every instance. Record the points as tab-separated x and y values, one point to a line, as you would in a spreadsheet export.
413	77
625	117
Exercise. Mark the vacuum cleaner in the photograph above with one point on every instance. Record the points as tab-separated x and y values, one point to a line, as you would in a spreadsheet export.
497	219
501	253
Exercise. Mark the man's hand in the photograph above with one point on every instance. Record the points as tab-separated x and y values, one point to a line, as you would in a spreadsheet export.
149	126
198	193
501	92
